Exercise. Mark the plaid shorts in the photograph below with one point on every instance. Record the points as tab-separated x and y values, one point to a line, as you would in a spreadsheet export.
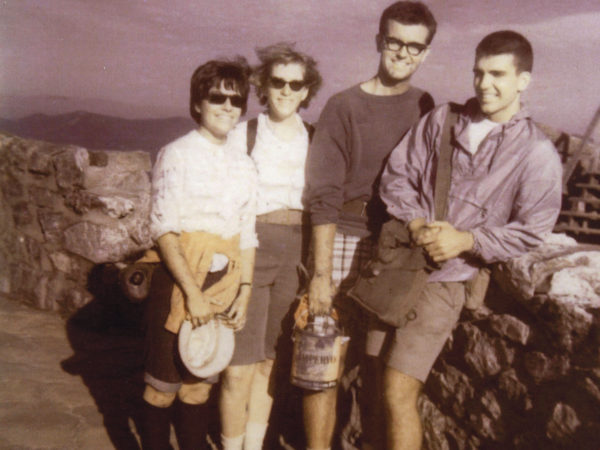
350	254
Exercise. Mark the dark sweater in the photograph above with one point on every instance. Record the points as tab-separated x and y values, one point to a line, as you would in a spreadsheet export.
355	134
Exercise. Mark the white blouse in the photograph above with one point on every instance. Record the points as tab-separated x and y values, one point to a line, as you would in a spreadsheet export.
280	165
201	186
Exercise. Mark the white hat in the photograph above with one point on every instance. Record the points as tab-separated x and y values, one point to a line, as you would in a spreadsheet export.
206	350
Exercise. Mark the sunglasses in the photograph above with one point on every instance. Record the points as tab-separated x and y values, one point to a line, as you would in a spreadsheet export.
278	83
237	101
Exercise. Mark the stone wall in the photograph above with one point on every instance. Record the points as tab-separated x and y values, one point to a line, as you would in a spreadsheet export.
63	211
523	371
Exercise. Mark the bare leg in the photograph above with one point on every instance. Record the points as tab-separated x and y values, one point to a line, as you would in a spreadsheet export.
319	417
233	401
259	406
401	392
261	398
319	412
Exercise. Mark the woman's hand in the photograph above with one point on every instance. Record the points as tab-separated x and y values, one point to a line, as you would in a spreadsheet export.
236	314
199	310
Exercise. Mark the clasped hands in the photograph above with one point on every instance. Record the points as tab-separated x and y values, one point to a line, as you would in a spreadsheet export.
440	239
199	309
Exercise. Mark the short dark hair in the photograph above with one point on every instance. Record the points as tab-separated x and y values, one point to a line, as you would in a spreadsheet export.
234	74
507	41
284	53
408	13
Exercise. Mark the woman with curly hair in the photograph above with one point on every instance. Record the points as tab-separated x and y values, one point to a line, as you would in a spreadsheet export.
277	141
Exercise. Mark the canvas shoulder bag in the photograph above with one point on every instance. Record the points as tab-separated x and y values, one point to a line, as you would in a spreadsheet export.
391	284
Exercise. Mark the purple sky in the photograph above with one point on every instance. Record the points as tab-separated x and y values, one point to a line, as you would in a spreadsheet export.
134	57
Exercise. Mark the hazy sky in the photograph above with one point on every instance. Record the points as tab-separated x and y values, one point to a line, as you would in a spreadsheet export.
135	57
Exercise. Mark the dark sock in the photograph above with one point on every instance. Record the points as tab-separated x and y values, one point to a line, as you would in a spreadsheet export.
156	427
190	426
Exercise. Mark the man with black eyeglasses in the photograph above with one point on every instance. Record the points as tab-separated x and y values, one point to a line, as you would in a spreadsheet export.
357	130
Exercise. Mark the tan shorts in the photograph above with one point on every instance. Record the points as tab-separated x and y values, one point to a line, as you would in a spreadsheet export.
414	348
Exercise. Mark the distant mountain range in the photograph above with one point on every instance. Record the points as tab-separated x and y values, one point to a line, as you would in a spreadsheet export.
99	132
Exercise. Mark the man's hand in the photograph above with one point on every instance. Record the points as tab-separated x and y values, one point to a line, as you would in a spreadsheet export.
236	314
418	230
199	310
442	241
320	295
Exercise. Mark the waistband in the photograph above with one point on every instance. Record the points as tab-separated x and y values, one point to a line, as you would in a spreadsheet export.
283	217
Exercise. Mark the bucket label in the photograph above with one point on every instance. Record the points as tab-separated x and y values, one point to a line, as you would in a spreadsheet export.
316	361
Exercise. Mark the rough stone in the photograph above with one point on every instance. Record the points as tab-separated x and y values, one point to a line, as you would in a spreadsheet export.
70	166
42	197
569	324
452	388
40	162
542	367
53	224
22	215
98	243
562	424
29	249
510	327
513	388
82	201
46	292
12	188
61	262
592	389
435	425
480	353
116	207
17	154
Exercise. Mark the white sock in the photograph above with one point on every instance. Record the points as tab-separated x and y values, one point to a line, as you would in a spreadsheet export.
232	443
255	435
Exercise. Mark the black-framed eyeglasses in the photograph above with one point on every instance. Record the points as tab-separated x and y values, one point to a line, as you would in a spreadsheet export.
395	45
279	83
237	101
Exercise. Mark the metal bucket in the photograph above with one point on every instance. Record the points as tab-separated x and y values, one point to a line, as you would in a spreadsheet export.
316	358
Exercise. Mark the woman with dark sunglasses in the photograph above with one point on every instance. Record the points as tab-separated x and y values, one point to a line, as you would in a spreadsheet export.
277	141
203	222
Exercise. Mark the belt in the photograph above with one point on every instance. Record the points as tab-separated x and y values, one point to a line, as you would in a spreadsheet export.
282	217
355	207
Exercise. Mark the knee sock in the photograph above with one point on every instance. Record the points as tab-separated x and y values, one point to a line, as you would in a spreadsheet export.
255	435
190	426
156	427
232	443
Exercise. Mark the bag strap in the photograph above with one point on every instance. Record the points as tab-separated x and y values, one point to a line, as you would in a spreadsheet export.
252	127
444	166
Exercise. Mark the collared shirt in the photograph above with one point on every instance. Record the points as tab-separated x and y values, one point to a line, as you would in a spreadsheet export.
201	186
507	194
280	165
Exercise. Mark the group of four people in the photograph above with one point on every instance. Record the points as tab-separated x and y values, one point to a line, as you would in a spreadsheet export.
237	201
